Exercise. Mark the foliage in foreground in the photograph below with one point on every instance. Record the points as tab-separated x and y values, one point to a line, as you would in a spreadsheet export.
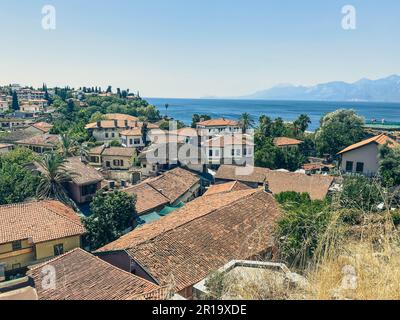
112	214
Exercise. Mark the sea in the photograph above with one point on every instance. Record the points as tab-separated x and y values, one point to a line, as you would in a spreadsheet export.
183	109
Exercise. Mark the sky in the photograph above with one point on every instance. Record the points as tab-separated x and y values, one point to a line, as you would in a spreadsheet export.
197	48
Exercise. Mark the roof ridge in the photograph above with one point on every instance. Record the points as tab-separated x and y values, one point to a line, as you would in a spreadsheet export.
61	215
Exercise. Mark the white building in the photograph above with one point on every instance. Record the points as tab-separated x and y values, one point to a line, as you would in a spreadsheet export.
132	138
363	157
214	127
29	94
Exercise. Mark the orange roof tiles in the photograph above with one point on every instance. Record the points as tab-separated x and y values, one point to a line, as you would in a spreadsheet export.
316	185
120	116
241	228
43	126
380	139
284	141
191	211
226	187
132	132
82	276
41	221
218	123
147	198
82	174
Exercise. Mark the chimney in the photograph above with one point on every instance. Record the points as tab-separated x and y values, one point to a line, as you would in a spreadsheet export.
98	124
266	187
126	124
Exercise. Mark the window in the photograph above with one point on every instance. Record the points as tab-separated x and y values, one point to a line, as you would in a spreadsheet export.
238	152
233	152
113	135
106	135
16	266
58	249
89	190
210	153
130	141
94	159
17	245
118	163
137	141
360	167
349	166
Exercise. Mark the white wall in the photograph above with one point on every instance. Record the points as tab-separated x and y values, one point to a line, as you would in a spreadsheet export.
368	155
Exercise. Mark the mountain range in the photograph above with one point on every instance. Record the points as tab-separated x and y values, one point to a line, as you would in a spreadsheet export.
381	90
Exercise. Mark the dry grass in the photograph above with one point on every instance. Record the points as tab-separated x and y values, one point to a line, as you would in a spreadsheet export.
371	252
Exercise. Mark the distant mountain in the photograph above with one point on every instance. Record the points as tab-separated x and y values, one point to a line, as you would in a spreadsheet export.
381	90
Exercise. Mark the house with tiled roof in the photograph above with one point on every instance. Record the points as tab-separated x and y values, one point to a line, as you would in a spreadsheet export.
170	188
190	243
40	143
111	128
214	127
36	231
317	186
40	127
229	149
363	157
285	142
85	180
112	158
83	276
5	148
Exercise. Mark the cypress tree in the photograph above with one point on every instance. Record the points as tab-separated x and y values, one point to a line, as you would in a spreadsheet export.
15	103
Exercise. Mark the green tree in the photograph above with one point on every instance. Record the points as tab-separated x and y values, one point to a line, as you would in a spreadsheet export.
15	102
299	230
112	214
338	130
196	118
17	183
68	147
246	122
53	179
389	166
302	123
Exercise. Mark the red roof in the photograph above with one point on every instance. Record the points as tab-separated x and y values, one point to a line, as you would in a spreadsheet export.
381	140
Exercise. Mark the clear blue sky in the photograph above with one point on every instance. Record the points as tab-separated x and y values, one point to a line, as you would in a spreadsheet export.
188	48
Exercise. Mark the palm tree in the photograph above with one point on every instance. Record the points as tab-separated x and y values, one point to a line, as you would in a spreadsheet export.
246	121
53	179
166	109
68	147
302	122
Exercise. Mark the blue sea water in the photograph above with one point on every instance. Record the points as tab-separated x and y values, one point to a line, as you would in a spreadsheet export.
183	109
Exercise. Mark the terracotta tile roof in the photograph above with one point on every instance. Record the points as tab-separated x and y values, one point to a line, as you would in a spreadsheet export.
119	151
2	145
229	140
191	211
44	140
148	199
120	117
43	126
41	221
174	183
82	276
226	187
317	166
81	173
380	139
97	150
186	132
218	123
132	132
111	124
316	185
240	229
284	141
